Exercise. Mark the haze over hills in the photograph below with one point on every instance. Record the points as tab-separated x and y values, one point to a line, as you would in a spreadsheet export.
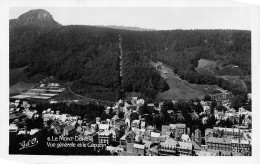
128	28
87	56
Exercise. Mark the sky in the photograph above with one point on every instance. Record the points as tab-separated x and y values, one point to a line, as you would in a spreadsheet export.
160	18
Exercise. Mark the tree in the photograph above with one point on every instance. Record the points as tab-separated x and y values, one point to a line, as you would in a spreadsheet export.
213	106
238	102
198	108
221	108
238	91
121	114
207	98
134	116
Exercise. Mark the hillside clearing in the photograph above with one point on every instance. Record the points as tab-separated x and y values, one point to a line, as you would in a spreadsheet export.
179	89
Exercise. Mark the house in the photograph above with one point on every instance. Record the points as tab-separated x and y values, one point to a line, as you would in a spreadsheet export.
92	136
135	123
143	125
206	153
136	149
13	128
33	131
154	150
206	108
165	128
232	132
113	149
53	85
155	136
178	129
219	143
204	120
58	129
185	149
194	116
139	149
122	142
197	136
185	137
14	116
208	133
196	147
241	146
168	148
104	135
220	116
103	127
69	130
147	135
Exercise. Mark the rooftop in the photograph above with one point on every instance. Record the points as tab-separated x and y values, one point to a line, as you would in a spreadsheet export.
69	127
219	140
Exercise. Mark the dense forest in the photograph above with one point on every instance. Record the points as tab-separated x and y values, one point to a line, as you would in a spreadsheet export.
89	56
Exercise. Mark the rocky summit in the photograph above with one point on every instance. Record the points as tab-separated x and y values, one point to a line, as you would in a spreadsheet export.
36	18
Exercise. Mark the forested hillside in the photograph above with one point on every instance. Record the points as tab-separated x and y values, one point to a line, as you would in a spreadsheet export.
182	49
88	55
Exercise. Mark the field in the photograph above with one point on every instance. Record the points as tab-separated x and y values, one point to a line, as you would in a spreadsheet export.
179	89
19	82
17	75
19	87
230	73
69	96
203	63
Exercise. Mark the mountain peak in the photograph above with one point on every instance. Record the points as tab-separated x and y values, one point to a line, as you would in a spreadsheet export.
38	17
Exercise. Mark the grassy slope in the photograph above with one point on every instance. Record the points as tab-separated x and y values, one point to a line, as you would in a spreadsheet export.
208	67
179	89
19	87
18	81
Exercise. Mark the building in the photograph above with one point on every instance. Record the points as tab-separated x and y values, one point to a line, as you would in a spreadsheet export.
168	148
178	129
219	143
92	136
206	153
69	130
103	127
197	136
13	128
185	149
165	129
208	133
15	116
139	149
171	147
135	123
53	85
154	150
206	108
241	146
155	137
104	134
105	137
136	149
122	142
220	115
231	132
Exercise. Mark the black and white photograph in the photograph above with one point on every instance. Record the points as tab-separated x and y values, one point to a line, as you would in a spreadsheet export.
130	81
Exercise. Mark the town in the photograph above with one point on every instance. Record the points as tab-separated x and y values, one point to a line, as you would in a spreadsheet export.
133	127
85	89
